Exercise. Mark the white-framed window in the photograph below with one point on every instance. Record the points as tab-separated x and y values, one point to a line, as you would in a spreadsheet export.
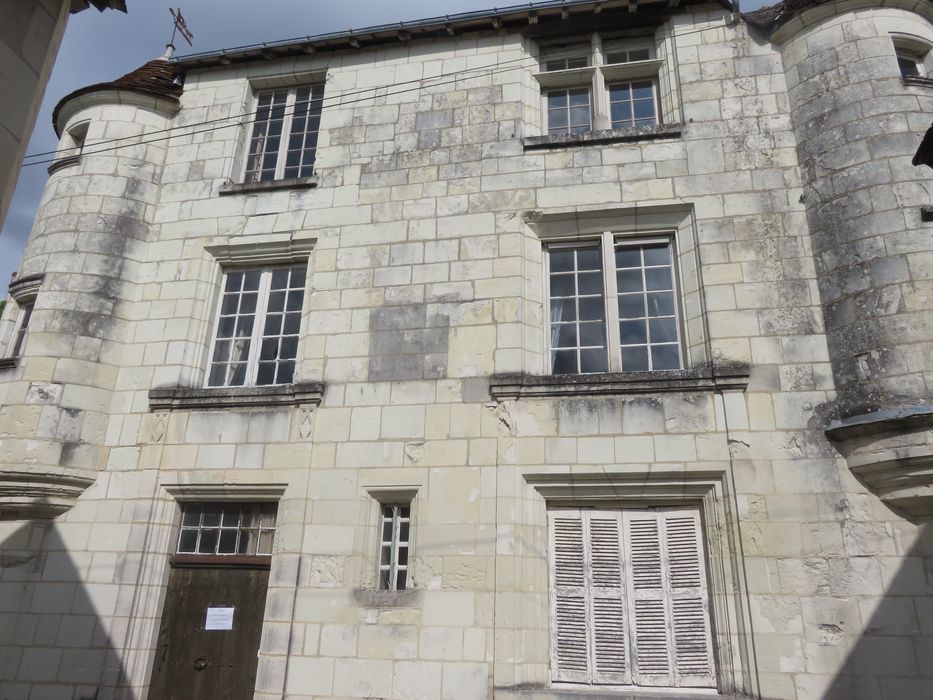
629	598
394	540
612	85
227	529
283	140
20	328
613	305
913	56
257	329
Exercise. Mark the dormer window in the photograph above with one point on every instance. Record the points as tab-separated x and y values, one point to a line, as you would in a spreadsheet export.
615	84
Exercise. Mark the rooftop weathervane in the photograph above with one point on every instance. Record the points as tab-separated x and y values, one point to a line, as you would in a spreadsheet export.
180	27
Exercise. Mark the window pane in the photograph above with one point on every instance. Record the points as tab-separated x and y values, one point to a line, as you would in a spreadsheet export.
579	97
589	259
592	309
642	91
593	361
402	581
265	542
661	304
629	280
663	330
659	278
592	334
564	362
633	332
563	310
403	531
286	372
657	254
292	323
557	98
188	541
562	286
635	359
227	544
590	283
289	348
208	543
403	556
387	531
277	301
631	306
665	357
566	336
211	516
384	580
266	373
561	260
628	257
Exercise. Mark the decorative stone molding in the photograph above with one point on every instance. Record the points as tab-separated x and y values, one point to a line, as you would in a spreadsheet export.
25	288
278	249
890	452
517	386
226	492
28	495
64	162
296	183
184	398
641	133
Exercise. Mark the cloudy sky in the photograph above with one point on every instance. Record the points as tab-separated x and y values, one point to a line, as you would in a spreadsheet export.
100	47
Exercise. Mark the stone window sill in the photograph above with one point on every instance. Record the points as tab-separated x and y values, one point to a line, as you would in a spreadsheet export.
918	80
183	398
387	599
8	362
644	133
296	183
61	163
518	386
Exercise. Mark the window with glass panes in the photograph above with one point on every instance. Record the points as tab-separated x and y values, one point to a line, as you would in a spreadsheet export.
258	323
283	142
393	546
227	529
20	329
619	317
568	111
633	104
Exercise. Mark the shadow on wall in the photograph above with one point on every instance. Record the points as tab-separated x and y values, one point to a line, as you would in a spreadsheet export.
52	642
893	659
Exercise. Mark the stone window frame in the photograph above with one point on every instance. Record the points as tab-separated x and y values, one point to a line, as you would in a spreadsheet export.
269	250
708	491
597	77
608	242
236	183
23	292
634	223
369	594
916	49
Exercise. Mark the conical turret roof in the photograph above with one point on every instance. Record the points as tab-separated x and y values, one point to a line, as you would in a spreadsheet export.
158	78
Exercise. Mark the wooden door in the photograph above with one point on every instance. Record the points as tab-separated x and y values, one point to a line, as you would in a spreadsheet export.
205	650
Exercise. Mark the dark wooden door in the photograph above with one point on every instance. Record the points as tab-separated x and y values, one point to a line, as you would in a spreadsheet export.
194	663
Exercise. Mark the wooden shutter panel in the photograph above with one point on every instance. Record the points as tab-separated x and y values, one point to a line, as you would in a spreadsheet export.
569	630
607	598
689	601
647	604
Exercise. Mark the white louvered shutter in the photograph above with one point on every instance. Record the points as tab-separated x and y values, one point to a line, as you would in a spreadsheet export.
607	598
689	601
570	649
647	604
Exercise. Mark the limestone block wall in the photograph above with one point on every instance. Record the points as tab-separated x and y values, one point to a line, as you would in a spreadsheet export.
425	279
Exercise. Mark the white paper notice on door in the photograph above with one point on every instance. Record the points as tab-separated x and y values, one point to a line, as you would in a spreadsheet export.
219	619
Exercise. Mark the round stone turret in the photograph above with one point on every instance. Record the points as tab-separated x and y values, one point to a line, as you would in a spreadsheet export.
80	265
858	122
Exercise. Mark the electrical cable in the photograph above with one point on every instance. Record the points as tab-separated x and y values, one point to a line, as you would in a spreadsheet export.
371	92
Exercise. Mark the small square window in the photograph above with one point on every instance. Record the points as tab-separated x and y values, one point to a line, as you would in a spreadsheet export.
257	330
394	544
909	63
283	142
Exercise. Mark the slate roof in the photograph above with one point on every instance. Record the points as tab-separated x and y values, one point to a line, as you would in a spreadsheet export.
773	16
78	5
159	78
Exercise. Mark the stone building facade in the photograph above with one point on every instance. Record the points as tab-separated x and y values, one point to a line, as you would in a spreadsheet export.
579	347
